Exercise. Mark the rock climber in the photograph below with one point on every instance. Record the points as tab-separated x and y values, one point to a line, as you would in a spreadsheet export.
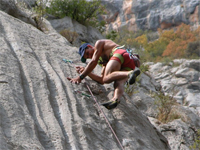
118	66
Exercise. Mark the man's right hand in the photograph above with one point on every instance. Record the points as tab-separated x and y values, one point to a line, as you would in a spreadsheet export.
80	69
76	80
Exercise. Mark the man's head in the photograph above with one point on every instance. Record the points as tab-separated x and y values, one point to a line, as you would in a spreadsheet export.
82	51
86	51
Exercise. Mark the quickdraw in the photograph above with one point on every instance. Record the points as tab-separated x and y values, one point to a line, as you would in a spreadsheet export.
84	94
66	61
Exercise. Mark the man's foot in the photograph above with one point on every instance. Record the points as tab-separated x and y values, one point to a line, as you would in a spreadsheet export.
111	104
132	75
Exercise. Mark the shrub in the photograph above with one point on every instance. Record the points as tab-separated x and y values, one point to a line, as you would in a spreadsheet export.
164	105
196	144
83	11
142	40
40	10
71	36
144	68
181	42
156	48
112	35
177	46
124	36
193	49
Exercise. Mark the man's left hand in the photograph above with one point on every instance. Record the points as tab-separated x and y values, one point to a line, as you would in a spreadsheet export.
75	80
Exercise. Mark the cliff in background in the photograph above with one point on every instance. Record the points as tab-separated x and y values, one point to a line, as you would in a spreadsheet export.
150	14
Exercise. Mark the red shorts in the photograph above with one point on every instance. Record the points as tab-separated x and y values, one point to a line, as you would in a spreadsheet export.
123	58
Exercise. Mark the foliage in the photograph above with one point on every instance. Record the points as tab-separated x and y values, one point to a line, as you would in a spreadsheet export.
40	10
164	105
71	36
196	144
156	48
83	11
175	43
112	35
144	68
127	37
180	39
152	36
130	89
100	25
165	60
20	4
142	40
193	49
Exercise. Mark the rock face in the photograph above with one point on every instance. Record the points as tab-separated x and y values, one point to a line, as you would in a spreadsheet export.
151	14
38	106
181	80
85	34
11	7
17	10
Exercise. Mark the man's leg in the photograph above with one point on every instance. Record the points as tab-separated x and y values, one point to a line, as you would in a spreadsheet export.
113	73
118	89
118	92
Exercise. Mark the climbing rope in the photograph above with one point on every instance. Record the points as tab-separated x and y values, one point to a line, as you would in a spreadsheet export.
66	61
105	117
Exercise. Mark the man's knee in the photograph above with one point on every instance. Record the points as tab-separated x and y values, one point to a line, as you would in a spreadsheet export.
106	80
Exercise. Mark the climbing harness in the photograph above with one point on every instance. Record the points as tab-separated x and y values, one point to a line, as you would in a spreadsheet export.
135	57
104	115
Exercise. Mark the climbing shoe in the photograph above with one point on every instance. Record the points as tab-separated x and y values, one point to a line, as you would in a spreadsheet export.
111	104
132	76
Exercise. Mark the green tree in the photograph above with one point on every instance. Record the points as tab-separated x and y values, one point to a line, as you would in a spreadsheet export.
112	35
83	11
193	49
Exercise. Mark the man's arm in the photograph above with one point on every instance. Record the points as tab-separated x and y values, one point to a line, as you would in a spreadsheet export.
93	76
92	64
97	78
97	53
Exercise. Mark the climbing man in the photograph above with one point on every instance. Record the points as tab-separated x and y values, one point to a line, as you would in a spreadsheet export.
118	66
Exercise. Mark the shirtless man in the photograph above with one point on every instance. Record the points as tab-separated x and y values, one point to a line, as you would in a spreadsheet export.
117	66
